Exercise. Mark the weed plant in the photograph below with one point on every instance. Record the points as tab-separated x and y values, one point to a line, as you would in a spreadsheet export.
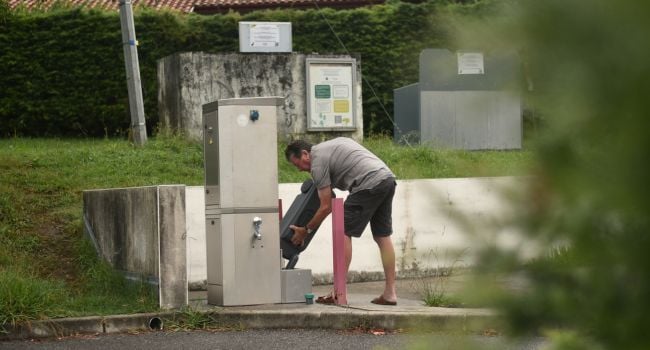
189	318
434	290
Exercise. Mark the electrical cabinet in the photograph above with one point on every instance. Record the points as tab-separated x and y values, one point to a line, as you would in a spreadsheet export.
241	198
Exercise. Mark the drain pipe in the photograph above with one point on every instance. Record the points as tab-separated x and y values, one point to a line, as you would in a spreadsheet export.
156	324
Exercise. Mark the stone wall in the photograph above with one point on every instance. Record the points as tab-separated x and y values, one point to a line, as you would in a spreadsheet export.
188	80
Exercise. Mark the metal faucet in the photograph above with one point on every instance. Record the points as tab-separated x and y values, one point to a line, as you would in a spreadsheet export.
257	222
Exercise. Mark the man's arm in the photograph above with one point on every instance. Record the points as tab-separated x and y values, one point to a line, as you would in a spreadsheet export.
325	208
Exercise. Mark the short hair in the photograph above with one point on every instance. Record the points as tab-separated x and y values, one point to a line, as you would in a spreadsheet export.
295	148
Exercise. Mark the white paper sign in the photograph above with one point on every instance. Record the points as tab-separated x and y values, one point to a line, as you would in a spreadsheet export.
340	91
264	35
470	63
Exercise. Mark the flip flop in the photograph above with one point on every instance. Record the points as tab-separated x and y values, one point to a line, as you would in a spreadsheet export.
327	300
381	301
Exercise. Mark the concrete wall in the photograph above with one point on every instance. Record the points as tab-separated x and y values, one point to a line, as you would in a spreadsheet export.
188	80
437	223
124	224
141	231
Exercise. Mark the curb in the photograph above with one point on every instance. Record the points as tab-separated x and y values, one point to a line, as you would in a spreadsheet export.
473	320
468	320
63	327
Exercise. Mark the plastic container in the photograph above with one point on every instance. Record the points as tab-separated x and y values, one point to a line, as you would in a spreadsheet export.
309	298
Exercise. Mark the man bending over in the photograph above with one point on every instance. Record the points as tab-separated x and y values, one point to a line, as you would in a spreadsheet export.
344	164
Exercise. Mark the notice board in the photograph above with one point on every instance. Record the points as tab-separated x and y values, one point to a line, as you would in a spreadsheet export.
331	94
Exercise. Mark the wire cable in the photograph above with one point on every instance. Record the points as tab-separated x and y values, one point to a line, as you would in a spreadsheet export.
320	12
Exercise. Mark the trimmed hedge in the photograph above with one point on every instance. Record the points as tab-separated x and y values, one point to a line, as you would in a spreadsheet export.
62	71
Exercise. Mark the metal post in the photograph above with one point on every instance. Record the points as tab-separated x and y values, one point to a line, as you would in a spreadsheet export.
338	248
129	43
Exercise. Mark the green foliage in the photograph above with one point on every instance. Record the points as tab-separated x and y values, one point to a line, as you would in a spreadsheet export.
56	74
286	171
105	291
435	291
422	162
62	71
25	297
4	10
589	196
40	222
431	296
190	319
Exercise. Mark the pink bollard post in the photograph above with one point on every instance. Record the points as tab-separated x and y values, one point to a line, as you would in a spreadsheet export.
338	247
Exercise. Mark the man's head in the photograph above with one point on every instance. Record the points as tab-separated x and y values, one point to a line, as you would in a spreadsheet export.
299	154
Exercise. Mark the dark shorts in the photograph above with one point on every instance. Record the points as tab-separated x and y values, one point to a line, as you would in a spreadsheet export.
374	206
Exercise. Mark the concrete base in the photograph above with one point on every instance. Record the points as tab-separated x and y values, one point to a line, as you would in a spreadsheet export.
294	285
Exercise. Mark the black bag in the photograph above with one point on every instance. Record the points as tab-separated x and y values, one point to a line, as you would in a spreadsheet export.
301	211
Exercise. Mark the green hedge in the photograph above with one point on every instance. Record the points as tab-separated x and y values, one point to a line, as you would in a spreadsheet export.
62	71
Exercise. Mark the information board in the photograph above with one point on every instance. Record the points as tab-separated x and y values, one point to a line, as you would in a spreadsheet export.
331	95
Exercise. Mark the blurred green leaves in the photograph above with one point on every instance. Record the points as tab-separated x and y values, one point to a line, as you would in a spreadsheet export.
588	62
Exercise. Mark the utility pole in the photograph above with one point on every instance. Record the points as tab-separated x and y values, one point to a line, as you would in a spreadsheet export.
129	43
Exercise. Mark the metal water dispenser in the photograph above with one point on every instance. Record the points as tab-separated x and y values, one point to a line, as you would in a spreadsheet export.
241	201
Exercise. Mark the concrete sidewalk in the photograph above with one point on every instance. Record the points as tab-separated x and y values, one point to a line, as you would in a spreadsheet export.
410	313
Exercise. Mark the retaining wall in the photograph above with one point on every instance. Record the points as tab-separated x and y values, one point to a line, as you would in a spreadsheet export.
141	231
159	232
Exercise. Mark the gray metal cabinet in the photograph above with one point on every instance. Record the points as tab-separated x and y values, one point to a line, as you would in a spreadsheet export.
241	183
461	111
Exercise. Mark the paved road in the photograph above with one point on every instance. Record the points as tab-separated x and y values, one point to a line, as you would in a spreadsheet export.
284	339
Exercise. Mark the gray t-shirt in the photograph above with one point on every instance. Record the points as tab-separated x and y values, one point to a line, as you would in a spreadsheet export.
344	164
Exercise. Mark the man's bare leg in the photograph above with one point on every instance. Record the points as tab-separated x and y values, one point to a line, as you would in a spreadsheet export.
387	252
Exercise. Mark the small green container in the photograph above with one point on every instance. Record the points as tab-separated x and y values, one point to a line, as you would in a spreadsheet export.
309	298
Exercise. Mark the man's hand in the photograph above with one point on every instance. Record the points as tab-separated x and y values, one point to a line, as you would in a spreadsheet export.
299	234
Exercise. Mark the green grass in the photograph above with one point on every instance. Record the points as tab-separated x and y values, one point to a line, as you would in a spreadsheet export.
48	268
188	318
26	297
422	162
